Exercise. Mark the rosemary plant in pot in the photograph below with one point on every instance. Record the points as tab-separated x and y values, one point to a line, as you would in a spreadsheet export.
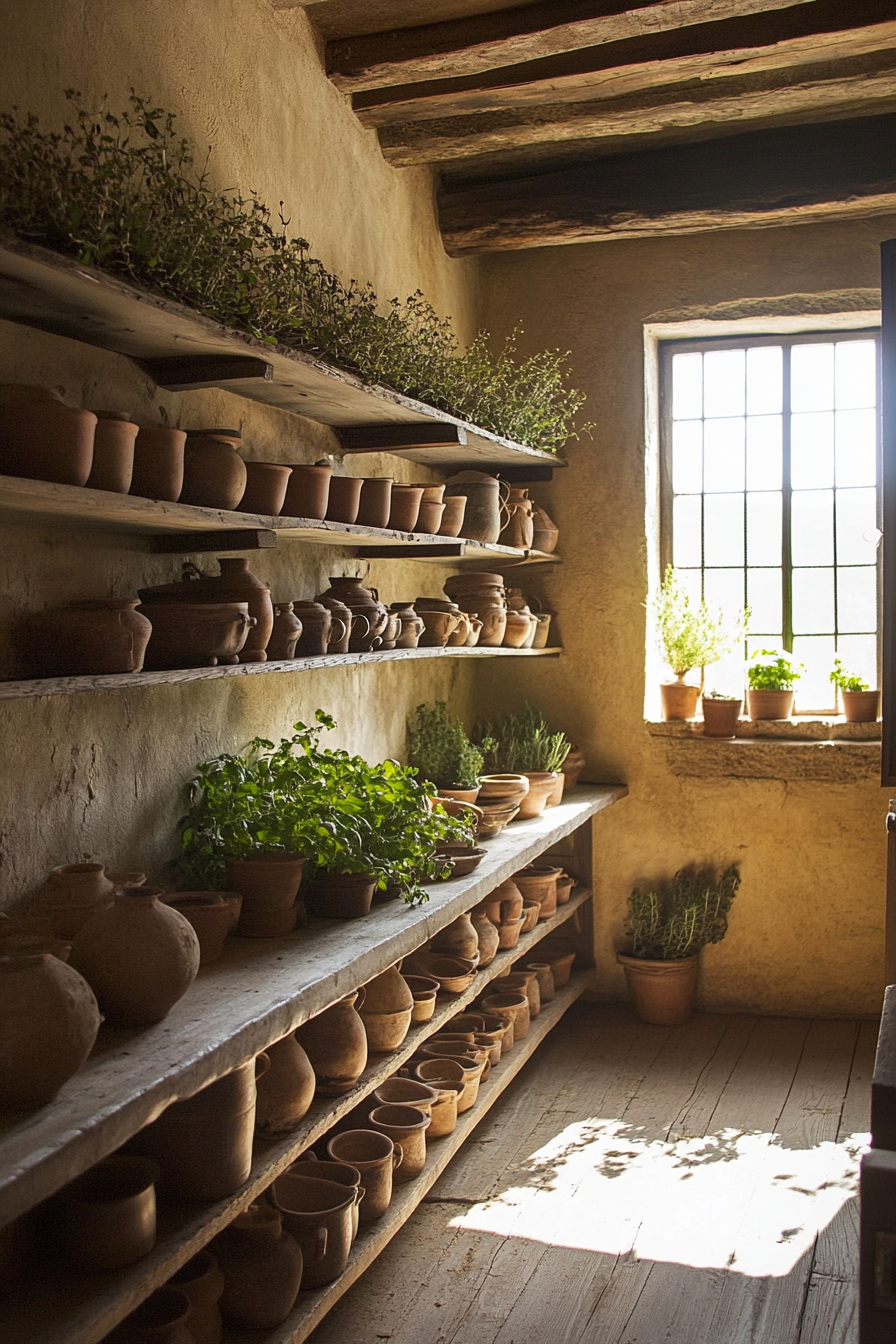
440	751
860	705
771	678
690	635
525	744
667	927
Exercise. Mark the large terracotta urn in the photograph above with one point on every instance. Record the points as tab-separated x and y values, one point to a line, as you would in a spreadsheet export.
458	939
49	1019
71	894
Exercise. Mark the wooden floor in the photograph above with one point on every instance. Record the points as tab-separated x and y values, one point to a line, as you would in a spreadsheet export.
643	1185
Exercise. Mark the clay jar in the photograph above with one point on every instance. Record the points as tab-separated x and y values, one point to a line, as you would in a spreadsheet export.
458	939
429	517
212	914
438	626
545	977
196	634
236	583
344	499
201	1281
494	627
514	1007
336	1043
158	464
386	1011
541	782
285	634
375	1157
138	956
262	1267
522	982
519	628
90	638
572	767
113	453
161	1319
46	441
266	485
410	625
538	882
214	472
307	492
406	1126
511	898
318	1214
48	1023
376	502
506	788
487	937
361	601
482	517
319	628
286	1090
406	500
519	528
106	1219
70	895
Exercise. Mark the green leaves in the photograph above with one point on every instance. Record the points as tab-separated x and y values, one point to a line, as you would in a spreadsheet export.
673	923
773	671
522	741
692	635
440	751
846	681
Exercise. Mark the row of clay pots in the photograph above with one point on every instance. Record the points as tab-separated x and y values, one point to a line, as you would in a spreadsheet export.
721	717
505	612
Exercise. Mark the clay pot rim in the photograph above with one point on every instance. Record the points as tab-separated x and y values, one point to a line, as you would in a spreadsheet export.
673	966
322	1188
365	1136
133	1175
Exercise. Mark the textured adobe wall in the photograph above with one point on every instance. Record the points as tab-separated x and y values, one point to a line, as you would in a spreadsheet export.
807	931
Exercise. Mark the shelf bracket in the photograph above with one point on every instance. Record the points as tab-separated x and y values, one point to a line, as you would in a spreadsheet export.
380	438
239	539
184	373
423	552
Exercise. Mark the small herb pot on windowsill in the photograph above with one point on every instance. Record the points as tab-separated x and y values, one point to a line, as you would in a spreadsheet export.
861	706
721	715
679	700
770	704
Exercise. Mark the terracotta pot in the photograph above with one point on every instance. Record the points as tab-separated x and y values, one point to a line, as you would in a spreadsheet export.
521	982
196	635
519	627
453	516
555	797
510	901
541	783
406	1092
488	938
542	629
88	638
214	472
565	885
106	1219
236	583
266	485
387	993
202	1282
437	626
318	1214
340	1173
495	818
494	625
424	990
504	1025
545	534
158	464
212	914
770	704
463	858
405	1126
458	638
679	700
46	441
561	968
509	787
307	492
391	631
268	923
161	1319
361	601
262	1268
126	879
860	706
406	500
531	911
661	991
320	628
457	939
376	502
386	1031
340	895
538	882
285	634
473	1067
519	528
483	514
720	717
573	766
336	1044
376	1157
268	881
429	519
411	625
349	624
512	1006
454	974
286	1090
509	932
70	895
49	1020
344	499
113	453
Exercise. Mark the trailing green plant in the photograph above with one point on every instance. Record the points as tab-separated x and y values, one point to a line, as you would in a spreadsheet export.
343	814
692	635
672	922
846	681
520	742
440	751
123	191
773	670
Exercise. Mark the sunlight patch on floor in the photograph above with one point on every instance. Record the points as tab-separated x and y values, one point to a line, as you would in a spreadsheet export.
729	1200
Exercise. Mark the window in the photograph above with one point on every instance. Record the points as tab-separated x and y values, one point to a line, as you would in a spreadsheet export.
770	496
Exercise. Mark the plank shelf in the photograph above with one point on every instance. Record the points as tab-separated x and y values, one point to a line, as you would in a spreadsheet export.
43	289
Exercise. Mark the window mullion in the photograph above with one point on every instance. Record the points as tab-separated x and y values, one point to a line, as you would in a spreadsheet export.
787	504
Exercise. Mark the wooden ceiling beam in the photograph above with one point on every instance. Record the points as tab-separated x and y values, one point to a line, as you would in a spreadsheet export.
822	30
834	90
485	42
788	175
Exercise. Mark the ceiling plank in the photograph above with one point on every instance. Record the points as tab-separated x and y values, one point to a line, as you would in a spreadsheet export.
835	89
821	32
511	36
784	176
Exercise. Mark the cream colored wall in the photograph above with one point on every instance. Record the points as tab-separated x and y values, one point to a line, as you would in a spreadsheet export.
806	935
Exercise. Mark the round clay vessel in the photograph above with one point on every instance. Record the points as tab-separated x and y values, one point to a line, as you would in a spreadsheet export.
531	911
47	441
319	627
406	500
386	1031
376	502
720	717
453	516
113	453
286	1090
487	937
458	939
268	881
350	590
538	882
514	1006
542	629
509	932
661	991
285	634
762	704
201	1280
510	787
573	766
90	638
565	885
214	472
237	583
437	626
411	626
48	1023
71	894
541	782
494	625
376	1157
266	485
201	634
555	797
212	914
340	1173
680	701
523	982
858	706
262	1268
158	464
511	898
161	1319
424	989
268	923
561	968
545	977
519	627
307	492
106	1219
387	993
432	508
336	1044
405	1126
138	956
482	518
519	528
318	1214
344	499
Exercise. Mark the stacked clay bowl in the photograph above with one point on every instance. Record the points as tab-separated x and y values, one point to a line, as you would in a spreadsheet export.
482	595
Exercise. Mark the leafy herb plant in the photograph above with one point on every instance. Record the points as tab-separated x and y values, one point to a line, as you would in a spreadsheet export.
440	751
773	671
520	742
673	923
692	634
123	191
846	681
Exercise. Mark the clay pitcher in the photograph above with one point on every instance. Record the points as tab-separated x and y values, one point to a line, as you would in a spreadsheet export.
376	1157
485	506
237	583
321	631
346	625
336	1044
262	1267
48	1023
286	1090
546	533
386	1011
458	939
286	633
319	1215
519	528
406	1126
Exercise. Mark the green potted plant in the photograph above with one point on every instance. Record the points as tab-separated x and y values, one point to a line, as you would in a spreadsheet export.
770	680
668	926
525	744
859	704
721	713
689	636
440	751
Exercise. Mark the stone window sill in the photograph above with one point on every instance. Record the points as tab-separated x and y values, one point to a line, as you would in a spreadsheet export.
826	750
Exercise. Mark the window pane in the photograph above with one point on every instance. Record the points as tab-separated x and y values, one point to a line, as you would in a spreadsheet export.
724	382
764	599
723	455
724	588
814	691
812	527
858	653
856	437
723	530
812	451
812	377
764	528
764	375
686	547
727	675
764	452
857	599
690	581
687	457
855	378
813	601
857	534
687	387
759	642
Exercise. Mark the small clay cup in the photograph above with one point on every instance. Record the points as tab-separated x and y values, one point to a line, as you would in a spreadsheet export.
106	1219
453	516
406	500
376	502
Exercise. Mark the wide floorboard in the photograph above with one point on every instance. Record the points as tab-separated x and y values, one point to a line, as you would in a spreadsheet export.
643	1185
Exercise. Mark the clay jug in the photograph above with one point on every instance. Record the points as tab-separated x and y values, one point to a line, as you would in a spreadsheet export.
458	939
511	899
236	583
494	627
91	638
349	623
405	1126
545	533
307	492
360	601
391	631
113	453
138	956
338	1172
485	506
70	895
214	472
336	1044
319	629
158	464
514	1007
201	1281
46	441
518	628
286	1090
387	993
375	1157
286	632
161	1319
519	528
411	626
522	982
376	502
48	1023
319	1215
487	937
265	490
262	1267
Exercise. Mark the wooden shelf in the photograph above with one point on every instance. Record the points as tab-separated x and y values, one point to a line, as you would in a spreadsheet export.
256	994
43	289
59	1306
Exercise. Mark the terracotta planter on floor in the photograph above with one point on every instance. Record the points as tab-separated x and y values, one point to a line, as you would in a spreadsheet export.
679	700
860	706
662	991
770	704
721	717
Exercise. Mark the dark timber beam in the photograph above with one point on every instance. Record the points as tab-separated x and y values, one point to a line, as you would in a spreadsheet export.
834	170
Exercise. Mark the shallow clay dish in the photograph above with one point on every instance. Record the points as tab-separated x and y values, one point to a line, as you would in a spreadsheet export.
454	974
462	858
494	819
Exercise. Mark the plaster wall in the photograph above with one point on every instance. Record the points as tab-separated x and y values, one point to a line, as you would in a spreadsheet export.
806	934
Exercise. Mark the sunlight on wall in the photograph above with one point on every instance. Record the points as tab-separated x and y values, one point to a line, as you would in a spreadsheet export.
730	1200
